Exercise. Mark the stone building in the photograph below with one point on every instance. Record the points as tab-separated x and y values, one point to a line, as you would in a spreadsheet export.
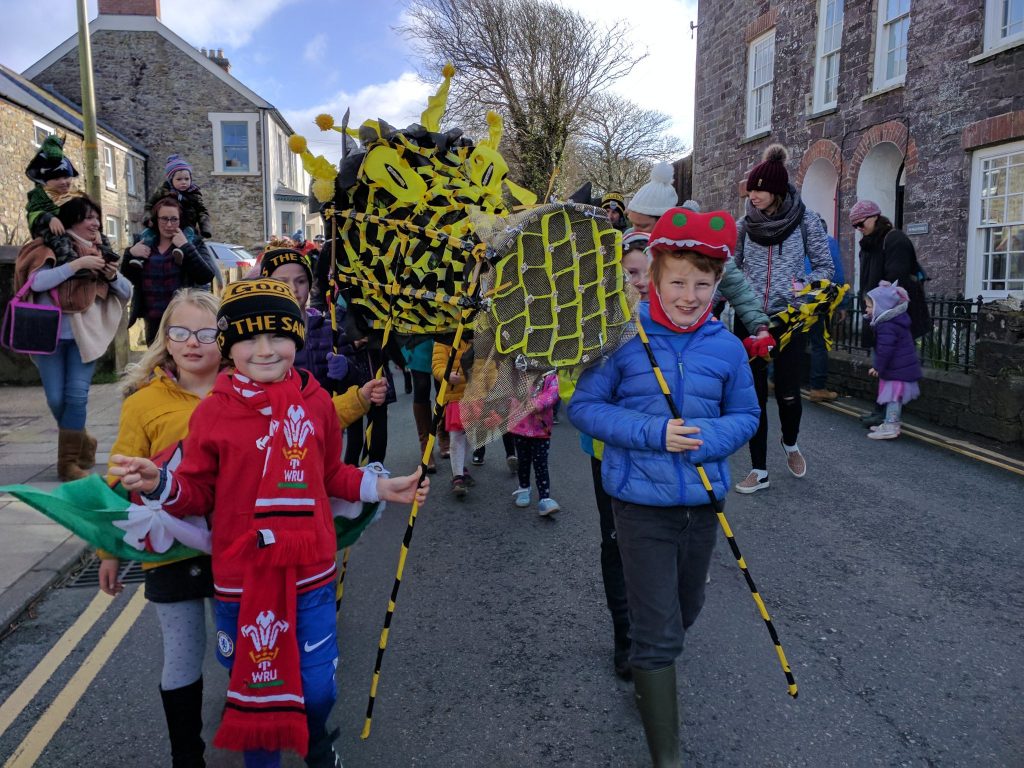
169	97
27	115
916	105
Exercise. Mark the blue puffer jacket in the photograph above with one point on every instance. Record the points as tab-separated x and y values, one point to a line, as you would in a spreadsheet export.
319	341
620	403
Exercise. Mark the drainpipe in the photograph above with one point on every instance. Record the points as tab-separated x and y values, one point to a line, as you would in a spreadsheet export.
265	173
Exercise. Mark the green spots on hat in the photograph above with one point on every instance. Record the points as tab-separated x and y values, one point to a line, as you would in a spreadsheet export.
679	220
717	223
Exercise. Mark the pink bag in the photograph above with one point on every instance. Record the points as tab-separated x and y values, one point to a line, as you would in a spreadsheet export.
31	329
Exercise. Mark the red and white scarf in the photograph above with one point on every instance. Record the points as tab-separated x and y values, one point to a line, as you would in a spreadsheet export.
265	705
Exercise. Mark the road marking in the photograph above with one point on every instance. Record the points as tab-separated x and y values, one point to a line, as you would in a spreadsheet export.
46	727
963	447
44	670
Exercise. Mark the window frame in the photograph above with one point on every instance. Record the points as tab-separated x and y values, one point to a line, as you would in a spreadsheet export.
40	126
750	128
112	229
881	81
109	167
993	23
975	266
217	119
818	102
131	183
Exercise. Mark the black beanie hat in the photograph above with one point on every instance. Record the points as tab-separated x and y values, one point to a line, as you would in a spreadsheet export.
770	174
262	305
278	257
50	162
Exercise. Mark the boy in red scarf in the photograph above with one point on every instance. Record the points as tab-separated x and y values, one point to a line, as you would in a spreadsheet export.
263	457
665	527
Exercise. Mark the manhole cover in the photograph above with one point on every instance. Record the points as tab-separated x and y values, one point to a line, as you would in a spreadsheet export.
89	576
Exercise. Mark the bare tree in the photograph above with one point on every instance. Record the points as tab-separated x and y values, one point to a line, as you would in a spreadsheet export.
532	61
618	141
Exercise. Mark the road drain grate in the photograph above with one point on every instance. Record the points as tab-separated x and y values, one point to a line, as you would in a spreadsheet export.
89	576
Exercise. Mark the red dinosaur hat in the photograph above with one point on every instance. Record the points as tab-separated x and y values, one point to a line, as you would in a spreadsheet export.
680	229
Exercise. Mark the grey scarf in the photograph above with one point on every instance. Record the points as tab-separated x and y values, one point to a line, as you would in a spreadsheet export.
772	230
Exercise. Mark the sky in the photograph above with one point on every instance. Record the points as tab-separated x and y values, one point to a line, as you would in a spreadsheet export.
311	56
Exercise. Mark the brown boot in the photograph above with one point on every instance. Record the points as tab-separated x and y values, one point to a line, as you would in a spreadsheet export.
87	457
421	414
69	446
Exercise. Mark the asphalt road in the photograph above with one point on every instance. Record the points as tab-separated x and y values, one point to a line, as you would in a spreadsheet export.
891	572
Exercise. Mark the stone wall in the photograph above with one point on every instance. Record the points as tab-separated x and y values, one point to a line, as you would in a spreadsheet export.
944	94
161	99
17	147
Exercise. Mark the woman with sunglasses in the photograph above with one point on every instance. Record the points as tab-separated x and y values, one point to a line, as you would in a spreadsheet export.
174	262
163	390
775	235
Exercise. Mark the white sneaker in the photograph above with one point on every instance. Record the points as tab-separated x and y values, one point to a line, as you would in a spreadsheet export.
521	497
888	431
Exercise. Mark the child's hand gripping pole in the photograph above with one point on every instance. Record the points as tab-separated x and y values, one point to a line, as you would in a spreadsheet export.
407	539
716	505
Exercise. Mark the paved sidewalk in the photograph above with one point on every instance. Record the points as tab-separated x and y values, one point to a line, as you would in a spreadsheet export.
34	551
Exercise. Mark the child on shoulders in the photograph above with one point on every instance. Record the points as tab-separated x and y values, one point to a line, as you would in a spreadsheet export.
178	183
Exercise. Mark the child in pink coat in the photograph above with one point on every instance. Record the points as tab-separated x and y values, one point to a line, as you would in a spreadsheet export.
533	440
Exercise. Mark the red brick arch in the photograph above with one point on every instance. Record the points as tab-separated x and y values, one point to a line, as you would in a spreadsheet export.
893	132
821	149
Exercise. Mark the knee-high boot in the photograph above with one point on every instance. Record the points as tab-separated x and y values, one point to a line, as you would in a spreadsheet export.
656	698
69	446
183	708
87	456
421	414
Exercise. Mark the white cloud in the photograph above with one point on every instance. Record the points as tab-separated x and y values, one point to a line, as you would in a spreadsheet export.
399	102
219	23
315	48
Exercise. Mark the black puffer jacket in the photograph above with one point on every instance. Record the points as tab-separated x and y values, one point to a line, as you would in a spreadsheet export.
887	254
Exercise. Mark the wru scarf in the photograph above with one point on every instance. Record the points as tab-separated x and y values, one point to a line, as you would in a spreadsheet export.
265	706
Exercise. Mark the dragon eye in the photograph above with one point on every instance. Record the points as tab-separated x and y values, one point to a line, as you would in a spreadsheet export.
396	176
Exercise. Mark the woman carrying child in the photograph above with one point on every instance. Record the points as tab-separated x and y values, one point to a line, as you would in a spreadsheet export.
666	527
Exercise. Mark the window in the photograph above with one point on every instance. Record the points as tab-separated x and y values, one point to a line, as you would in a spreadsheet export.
129	176
995	258
234	143
40	132
891	43
760	75
108	167
826	72
112	229
287	223
1004	22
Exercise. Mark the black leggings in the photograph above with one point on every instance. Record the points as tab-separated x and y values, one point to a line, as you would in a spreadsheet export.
355	434
534	450
421	387
788	367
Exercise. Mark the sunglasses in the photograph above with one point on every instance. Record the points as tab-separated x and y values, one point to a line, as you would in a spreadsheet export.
181	334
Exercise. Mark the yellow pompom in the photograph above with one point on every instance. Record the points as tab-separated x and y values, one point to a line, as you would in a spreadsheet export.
493	118
297	143
323	189
448	70
324	122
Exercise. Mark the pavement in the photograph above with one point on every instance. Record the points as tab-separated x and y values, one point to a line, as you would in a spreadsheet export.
34	551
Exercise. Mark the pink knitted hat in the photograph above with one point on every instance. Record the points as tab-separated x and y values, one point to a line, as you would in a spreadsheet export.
864	209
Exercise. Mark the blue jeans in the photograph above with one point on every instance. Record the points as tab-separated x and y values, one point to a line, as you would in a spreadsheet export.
819	356
66	381
317	635
666	552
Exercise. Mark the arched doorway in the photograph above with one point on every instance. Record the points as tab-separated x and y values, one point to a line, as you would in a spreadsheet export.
881	179
819	191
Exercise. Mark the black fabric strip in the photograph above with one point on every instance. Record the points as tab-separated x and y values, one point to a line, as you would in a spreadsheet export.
285	513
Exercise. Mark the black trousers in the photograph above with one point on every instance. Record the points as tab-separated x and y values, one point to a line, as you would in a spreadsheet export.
355	435
611	558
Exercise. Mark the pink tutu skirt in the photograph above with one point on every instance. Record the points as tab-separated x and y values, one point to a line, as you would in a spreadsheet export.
453	417
897	391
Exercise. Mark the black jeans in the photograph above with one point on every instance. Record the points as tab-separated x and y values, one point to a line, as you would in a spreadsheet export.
666	552
611	559
788	366
355	435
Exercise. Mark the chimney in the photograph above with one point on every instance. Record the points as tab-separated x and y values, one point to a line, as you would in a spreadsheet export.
217	57
130	7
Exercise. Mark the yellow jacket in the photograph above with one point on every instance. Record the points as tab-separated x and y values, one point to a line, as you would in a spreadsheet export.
439	362
350	406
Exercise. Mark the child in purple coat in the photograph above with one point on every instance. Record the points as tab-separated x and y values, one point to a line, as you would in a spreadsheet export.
533	440
897	366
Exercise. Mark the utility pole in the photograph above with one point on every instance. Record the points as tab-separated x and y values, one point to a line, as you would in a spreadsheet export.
92	154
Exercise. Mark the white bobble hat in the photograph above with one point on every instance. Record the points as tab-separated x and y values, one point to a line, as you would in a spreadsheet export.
656	196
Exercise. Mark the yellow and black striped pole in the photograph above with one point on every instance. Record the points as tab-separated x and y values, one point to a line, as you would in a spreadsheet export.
407	539
717	506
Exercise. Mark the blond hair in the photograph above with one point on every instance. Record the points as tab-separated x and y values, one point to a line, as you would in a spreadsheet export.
157	356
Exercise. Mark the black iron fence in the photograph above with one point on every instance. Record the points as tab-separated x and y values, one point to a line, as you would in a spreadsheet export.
948	346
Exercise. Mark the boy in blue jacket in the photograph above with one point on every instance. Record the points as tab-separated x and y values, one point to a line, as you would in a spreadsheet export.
666	526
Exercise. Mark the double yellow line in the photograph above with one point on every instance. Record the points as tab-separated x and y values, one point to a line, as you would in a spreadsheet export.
42	733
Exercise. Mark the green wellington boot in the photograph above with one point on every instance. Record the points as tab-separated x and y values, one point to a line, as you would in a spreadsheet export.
656	698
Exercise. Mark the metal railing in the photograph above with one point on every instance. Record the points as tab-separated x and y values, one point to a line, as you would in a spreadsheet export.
948	346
